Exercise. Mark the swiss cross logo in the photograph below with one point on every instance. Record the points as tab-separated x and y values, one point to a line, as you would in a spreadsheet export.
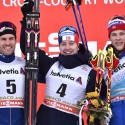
68	38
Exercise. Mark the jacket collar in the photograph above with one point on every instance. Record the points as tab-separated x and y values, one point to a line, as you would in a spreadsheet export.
7	58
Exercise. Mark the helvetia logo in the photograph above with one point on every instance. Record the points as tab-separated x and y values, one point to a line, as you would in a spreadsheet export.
68	76
120	66
9	71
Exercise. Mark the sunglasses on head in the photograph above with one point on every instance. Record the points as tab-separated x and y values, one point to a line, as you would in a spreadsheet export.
67	28
7	24
117	17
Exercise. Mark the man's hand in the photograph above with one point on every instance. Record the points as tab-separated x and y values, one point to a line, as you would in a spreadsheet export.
27	7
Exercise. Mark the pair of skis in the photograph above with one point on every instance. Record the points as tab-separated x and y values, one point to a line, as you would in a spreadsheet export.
104	60
32	33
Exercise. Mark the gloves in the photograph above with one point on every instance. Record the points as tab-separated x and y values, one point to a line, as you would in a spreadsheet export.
86	53
27	7
107	117
81	49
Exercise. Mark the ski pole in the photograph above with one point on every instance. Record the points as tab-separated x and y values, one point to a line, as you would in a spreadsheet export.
78	18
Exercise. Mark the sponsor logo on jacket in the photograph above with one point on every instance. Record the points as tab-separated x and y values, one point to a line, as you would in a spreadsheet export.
120	67
12	71
68	76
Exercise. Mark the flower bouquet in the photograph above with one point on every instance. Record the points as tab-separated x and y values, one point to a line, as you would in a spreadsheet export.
94	107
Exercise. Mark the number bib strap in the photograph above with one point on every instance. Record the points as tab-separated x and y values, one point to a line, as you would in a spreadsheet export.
61	106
